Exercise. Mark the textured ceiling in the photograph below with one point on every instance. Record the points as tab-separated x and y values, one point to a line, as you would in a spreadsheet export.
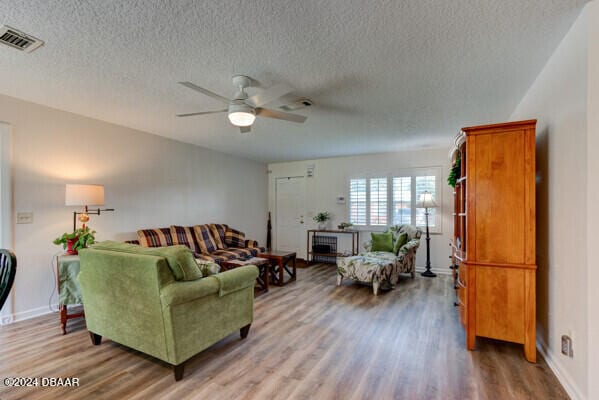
384	75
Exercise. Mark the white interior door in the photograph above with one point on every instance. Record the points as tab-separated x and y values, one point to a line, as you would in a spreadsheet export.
290	214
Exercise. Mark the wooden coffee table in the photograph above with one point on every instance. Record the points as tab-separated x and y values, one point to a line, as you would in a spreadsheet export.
263	265
280	264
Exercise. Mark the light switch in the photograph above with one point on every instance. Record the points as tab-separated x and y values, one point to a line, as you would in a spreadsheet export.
24	218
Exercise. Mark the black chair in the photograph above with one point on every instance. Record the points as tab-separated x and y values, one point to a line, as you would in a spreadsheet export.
8	270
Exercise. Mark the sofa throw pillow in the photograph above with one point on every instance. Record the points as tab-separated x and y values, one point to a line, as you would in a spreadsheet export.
401	240
208	267
178	258
382	242
157	237
234	238
218	233
205	239
185	236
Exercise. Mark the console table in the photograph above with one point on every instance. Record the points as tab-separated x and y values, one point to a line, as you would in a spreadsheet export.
69	291
355	243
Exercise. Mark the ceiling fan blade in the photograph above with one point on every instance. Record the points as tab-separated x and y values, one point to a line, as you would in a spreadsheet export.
268	113
205	92
202	113
245	129
268	95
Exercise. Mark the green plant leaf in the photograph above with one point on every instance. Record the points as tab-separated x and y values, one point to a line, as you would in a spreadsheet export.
85	237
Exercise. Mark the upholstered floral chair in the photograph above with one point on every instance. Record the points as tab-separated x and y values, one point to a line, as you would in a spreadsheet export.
382	268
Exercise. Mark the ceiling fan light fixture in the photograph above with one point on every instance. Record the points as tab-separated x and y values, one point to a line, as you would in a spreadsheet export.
241	115
242	111
242	118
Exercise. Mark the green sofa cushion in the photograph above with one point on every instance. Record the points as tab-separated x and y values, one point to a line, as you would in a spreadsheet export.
236	279
401	240
180	259
382	242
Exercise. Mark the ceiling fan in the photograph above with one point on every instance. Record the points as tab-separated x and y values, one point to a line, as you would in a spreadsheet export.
243	110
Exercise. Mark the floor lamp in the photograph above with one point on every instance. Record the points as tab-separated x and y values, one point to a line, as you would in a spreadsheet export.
427	201
85	195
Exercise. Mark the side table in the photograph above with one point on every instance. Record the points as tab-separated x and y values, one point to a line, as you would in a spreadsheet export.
69	291
263	269
280	263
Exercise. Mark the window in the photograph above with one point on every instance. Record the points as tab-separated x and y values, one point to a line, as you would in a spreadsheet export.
378	201
357	201
402	200
391	200
426	184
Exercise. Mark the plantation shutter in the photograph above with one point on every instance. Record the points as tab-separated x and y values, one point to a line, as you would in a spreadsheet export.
357	201
402	200
426	184
378	201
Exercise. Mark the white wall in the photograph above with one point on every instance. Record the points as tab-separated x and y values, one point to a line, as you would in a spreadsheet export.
592	197
331	178
558	99
150	181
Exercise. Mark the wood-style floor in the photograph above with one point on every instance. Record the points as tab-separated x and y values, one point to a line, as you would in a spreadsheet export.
309	340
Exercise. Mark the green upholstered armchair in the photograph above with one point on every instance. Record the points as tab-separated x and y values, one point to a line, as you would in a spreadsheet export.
135	300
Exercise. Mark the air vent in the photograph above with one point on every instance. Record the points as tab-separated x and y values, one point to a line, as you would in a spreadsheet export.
18	40
297	105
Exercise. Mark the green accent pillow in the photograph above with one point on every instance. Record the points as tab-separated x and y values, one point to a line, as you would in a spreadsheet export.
179	258
401	240
382	242
183	256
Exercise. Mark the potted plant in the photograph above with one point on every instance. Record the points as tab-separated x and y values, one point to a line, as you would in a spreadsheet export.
322	218
77	240
454	173
342	226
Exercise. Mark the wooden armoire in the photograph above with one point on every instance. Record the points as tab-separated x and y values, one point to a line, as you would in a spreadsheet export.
493	246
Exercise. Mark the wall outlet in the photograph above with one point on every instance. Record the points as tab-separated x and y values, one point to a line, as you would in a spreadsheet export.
567	346
24	218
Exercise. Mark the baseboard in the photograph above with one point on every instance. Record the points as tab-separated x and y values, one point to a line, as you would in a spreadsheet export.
436	270
23	315
562	376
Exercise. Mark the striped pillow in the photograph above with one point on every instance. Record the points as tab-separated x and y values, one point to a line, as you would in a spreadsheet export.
159	237
208	267
185	236
205	239
218	233
234	238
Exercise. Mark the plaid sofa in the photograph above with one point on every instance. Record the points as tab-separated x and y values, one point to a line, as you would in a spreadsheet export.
209	242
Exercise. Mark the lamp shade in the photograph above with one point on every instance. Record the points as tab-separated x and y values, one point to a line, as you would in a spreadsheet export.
426	200
84	195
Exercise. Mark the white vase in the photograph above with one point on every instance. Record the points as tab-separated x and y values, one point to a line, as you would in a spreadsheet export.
322	226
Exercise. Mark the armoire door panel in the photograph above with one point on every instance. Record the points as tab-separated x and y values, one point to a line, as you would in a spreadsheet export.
500	188
500	303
